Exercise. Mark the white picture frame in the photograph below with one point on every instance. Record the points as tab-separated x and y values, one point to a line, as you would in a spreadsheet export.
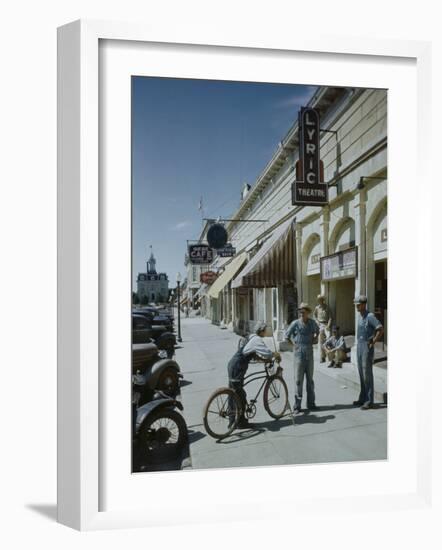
79	271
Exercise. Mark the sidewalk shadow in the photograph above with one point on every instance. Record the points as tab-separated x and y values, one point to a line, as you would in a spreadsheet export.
343	407
276	425
184	383
313	419
242	435
194	436
337	407
257	428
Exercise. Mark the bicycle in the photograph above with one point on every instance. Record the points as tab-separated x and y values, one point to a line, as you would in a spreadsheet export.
224	407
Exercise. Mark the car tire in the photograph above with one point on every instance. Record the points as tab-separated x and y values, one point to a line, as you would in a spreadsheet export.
169	382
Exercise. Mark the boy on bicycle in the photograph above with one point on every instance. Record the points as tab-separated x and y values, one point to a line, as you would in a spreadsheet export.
239	363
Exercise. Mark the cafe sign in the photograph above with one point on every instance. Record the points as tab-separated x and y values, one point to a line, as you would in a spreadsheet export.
342	265
200	254
309	188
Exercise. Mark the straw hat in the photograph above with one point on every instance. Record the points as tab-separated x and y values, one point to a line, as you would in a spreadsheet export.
304	305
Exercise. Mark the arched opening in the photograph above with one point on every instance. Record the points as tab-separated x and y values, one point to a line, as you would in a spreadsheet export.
377	249
342	289
343	235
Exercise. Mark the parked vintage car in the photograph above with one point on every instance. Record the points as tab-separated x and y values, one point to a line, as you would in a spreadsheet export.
155	318
143	332
152	371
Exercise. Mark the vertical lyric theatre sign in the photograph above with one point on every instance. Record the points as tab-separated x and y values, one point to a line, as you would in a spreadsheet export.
309	188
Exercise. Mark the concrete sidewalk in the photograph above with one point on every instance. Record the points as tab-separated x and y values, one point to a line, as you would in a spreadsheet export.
338	432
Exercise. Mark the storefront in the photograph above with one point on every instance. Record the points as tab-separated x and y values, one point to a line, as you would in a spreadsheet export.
264	288
220	293
339	271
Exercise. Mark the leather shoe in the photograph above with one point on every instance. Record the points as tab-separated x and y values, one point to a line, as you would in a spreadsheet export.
313	408
366	406
358	403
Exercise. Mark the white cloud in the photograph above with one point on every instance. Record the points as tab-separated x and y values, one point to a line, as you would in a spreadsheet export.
297	100
181	225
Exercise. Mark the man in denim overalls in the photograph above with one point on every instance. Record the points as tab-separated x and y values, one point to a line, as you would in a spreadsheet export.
303	333
369	331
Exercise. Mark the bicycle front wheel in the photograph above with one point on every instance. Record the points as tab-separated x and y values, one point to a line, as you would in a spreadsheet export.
276	397
221	413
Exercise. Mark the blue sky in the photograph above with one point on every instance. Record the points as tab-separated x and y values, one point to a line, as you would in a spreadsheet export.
198	138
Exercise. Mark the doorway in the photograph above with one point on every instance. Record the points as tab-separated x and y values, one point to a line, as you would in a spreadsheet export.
381	294
344	313
313	289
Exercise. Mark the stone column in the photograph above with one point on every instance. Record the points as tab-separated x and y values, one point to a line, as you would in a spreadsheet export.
325	226
360	209
233	306
299	274
360	217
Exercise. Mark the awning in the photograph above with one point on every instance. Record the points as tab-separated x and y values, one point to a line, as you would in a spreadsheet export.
231	270
273	264
201	291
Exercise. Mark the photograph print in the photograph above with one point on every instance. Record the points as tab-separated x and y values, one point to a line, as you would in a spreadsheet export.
259	274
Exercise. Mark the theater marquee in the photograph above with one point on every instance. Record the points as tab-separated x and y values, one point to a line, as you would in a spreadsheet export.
342	265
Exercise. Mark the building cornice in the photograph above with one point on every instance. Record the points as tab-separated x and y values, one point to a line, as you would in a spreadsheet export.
321	100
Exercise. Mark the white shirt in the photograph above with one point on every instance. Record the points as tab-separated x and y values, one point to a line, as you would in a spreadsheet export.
257	345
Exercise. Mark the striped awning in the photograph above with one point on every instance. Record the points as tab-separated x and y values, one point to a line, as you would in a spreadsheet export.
273	264
227	275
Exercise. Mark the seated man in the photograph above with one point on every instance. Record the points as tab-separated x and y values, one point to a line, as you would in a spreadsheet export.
238	365
335	349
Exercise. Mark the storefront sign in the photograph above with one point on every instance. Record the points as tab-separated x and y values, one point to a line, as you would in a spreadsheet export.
217	236
208	277
227	252
309	188
200	254
342	265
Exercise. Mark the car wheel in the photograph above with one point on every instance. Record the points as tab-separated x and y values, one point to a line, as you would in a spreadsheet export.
169	382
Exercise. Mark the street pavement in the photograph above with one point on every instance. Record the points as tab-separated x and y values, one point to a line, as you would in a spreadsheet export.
338	432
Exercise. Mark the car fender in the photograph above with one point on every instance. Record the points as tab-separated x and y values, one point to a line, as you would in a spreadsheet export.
165	340
158	368
145	410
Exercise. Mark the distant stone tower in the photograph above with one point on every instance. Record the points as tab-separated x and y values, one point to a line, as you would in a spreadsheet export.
151	263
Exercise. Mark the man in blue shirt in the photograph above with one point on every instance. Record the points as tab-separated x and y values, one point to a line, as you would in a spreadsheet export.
303	333
335	349
369	331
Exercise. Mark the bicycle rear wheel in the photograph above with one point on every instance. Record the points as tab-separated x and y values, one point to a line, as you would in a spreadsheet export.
221	413
275	397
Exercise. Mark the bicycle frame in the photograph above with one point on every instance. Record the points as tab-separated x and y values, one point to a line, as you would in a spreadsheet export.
261	375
